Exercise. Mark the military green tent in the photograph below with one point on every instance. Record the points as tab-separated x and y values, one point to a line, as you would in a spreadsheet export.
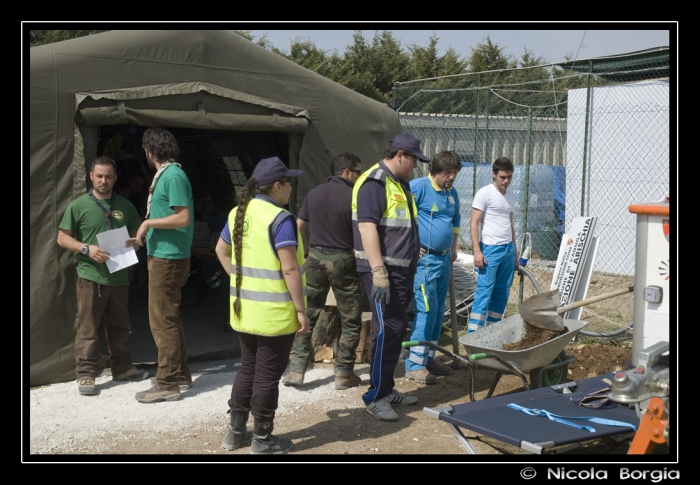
229	103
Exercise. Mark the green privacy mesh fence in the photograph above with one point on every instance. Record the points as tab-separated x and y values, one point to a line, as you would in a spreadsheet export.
588	138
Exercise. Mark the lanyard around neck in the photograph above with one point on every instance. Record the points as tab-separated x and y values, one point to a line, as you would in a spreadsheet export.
108	211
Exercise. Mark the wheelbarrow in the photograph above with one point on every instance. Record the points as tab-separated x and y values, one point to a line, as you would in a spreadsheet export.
546	363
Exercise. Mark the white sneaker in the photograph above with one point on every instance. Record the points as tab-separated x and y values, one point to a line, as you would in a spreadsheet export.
382	410
399	399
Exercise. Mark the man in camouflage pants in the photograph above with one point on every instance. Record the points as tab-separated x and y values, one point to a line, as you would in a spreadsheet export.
330	263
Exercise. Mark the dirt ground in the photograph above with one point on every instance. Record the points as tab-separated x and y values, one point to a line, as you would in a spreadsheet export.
347	429
322	421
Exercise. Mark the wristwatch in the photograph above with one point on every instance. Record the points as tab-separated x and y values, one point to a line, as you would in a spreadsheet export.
85	250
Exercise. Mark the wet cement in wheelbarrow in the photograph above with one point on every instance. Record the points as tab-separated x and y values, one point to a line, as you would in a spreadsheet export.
534	336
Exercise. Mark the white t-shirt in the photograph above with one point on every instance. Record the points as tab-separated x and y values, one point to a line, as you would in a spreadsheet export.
495	220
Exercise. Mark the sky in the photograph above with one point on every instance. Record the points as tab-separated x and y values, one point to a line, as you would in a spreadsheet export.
552	45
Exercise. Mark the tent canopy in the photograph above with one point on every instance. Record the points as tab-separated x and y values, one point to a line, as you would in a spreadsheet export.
221	95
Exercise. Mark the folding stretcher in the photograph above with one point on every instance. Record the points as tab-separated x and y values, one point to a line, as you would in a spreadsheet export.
537	434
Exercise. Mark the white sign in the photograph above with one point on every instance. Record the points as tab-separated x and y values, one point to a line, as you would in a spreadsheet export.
573	255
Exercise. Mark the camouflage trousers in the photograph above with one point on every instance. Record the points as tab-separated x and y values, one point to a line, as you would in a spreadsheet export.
325	270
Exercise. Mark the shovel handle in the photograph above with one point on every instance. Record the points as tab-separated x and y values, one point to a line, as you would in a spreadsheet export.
594	299
414	343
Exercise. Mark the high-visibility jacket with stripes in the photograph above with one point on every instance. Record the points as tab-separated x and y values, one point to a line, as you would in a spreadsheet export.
266	305
397	228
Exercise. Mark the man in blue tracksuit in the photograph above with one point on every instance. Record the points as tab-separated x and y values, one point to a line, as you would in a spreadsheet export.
493	241
438	223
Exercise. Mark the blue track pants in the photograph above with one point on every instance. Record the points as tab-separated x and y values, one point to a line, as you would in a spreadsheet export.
430	287
492	285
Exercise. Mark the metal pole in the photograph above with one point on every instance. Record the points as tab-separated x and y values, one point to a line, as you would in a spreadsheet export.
585	139
476	129
528	157
453	314
488	132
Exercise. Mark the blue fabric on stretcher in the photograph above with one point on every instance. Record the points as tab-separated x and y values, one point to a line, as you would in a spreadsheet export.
492	417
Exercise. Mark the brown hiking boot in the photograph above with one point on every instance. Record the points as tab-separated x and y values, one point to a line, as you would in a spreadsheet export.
293	379
438	369
421	375
86	386
184	385
344	382
132	374
156	394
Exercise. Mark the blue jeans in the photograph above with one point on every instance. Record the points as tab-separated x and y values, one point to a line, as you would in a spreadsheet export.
430	290
492	285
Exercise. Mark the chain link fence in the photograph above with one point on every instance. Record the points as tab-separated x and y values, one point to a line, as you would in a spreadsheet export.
587	138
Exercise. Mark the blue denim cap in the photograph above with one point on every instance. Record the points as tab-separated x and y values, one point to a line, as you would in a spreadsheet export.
409	143
269	170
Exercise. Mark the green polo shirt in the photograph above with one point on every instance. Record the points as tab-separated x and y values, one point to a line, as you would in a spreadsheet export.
172	189
86	220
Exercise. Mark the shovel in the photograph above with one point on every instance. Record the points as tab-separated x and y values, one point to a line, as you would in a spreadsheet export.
541	310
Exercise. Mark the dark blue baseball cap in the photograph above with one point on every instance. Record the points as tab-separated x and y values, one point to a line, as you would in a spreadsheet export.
409	143
269	170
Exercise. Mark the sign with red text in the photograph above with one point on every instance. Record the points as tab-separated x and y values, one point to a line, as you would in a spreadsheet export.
573	262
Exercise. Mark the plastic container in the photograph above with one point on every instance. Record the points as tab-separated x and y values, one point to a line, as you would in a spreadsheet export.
548	242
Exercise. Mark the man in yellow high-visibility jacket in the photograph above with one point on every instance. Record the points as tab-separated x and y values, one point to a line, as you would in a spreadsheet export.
385	234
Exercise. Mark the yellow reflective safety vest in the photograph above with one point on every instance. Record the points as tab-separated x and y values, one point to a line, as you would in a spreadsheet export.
266	305
397	229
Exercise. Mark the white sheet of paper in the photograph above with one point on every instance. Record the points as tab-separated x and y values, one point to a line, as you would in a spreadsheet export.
120	256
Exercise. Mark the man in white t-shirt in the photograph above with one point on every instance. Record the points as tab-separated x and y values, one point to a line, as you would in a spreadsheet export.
493	242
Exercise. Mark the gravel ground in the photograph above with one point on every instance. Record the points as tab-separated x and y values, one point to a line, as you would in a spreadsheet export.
63	422
318	418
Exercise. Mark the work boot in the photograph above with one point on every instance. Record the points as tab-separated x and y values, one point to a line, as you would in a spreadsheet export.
421	375
157	394
132	374
184	385
238	434
86	386
438	369
345	382
266	444
293	379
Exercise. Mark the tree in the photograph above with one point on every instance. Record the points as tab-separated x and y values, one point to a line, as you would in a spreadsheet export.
307	54
425	62
488	56
372	69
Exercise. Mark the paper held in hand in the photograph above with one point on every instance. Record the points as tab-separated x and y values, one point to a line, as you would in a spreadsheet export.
120	256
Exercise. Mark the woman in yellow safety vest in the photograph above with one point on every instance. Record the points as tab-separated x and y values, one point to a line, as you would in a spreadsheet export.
268	301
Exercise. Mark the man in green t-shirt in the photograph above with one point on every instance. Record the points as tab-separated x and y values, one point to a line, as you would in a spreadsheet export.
167	232
99	292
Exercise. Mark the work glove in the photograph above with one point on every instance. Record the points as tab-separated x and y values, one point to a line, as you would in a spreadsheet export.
380	285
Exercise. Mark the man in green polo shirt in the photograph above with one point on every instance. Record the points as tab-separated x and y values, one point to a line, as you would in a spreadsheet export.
99	292
167	232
